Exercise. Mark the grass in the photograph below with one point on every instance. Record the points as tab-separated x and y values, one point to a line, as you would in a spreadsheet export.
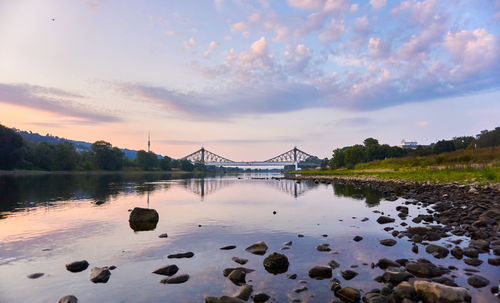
463	166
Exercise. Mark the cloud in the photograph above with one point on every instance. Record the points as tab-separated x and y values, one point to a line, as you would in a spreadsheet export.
244	26
377	4
238	101
259	47
473	52
51	100
282	33
352	122
332	31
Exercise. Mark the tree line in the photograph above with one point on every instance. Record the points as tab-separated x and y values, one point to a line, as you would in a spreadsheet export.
371	150
17	153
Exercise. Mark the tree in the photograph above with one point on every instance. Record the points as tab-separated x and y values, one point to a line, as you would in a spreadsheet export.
107	157
354	154
443	146
338	159
146	160
324	164
66	157
489	138
463	142
12	148
186	165
166	163
370	142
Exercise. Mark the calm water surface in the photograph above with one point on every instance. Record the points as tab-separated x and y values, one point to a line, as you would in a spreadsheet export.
51	220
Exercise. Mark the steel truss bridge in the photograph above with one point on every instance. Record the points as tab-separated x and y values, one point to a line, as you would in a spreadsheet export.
291	157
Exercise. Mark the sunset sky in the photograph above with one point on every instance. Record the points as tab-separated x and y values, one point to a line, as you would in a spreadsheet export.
250	79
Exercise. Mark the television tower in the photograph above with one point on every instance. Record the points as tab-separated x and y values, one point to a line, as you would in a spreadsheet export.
149	142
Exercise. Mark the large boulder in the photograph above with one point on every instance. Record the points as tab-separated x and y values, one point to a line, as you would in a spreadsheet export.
142	219
396	277
276	263
385	220
432	292
477	281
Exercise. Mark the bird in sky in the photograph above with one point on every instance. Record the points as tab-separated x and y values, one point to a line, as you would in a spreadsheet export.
53	19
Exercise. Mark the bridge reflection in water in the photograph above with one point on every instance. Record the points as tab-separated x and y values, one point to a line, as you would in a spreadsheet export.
207	186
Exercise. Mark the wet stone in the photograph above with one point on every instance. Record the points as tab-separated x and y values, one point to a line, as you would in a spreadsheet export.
227	271
100	274
77	266
320	272
477	281
494	261
168	270
229	247
181	255
348	274
473	262
258	248
237	277
300	289
388	242
163	236
244	292
291	276
35	275
333	264
471	252
239	260
358	238
176	279
276	263
324	247
437	251
68	299
385	220
349	294
261	297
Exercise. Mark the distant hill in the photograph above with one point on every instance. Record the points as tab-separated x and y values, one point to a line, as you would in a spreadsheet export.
36	138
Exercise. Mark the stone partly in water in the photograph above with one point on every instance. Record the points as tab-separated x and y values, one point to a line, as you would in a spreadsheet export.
432	292
348	274
228	270
437	251
385	220
229	247
143	219
176	279
259	248
385	263
181	255
163	236
68	299
477	281
349	294
324	247
244	292
100	274
35	275
423	270
237	277
223	299
260	298
396	277
77	266
320	272
168	270
276	263
239	260
388	242
357	238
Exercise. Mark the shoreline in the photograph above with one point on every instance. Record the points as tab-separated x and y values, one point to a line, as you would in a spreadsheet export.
90	172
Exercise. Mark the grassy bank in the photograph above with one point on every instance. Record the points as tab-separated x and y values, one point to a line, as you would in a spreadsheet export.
464	166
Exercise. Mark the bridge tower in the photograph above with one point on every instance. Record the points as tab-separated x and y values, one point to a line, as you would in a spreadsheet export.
202	155
295	158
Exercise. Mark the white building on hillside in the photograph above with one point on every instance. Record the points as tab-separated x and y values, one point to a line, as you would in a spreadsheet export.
409	144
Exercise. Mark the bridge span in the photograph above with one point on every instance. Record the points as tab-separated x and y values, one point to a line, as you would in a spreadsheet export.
291	157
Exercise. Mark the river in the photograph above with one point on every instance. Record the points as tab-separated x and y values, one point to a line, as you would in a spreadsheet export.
47	221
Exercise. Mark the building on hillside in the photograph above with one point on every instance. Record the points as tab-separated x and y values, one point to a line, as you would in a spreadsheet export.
409	144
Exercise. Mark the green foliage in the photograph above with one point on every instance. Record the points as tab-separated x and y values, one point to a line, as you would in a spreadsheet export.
147	160
166	163
186	165
489	138
354	154
443	146
107	157
338	159
12	148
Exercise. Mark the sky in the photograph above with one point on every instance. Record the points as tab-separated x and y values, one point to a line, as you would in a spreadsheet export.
249	80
